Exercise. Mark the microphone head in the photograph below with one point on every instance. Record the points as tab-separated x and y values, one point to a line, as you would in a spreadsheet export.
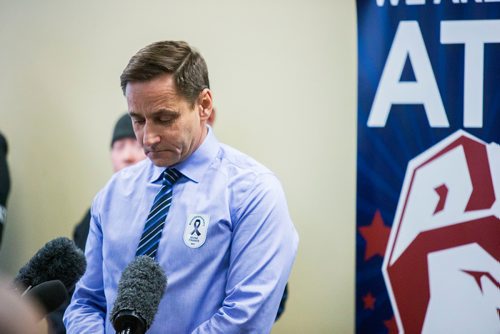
59	259
140	290
49	295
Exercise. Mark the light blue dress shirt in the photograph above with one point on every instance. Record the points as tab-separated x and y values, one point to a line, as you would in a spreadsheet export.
232	283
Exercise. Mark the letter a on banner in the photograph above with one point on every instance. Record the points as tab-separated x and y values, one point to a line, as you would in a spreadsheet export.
408	42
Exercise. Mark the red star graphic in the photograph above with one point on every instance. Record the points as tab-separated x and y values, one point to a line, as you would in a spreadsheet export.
369	301
376	236
391	326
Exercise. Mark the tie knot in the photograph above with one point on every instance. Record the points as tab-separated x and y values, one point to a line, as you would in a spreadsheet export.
171	175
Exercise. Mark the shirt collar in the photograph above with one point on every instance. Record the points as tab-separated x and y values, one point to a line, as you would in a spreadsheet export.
197	163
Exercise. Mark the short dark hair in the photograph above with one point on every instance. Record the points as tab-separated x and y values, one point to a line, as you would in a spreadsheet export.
187	66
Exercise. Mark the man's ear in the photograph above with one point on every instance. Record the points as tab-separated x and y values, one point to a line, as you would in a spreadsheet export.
205	105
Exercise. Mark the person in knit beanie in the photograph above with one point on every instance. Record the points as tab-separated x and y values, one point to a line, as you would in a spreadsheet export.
125	150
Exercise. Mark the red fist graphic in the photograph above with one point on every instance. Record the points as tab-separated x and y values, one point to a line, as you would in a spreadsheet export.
441	265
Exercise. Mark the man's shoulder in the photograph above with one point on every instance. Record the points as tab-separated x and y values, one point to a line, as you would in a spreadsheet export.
249	182
231	158
244	173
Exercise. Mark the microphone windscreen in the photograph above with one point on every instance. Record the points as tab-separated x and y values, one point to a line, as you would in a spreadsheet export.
140	290
59	259
49	295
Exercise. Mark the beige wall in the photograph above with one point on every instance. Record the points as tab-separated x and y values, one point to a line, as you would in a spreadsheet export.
283	74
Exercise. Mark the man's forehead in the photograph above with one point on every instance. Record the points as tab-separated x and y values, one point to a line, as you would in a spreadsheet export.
153	100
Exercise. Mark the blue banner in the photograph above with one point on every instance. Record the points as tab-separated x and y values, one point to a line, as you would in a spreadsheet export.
428	168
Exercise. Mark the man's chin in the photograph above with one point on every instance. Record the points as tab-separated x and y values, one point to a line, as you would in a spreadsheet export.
160	160
165	158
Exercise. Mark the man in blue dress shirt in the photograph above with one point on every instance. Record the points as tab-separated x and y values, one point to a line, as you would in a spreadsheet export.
229	278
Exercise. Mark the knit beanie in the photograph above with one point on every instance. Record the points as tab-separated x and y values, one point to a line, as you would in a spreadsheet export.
123	129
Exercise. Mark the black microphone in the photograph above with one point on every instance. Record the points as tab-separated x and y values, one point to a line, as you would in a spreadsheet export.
59	259
4	182
140	290
4	172
49	295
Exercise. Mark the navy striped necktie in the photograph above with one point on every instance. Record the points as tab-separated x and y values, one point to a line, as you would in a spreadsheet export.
148	245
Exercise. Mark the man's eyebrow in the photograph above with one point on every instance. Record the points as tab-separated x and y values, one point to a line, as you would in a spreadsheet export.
164	111
157	113
133	114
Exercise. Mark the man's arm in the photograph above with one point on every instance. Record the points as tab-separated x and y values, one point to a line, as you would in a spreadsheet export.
87	310
264	244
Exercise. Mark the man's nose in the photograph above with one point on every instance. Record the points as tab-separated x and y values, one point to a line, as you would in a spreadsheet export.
150	136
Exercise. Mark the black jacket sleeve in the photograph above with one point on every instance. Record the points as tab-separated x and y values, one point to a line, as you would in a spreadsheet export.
82	231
